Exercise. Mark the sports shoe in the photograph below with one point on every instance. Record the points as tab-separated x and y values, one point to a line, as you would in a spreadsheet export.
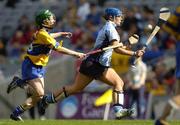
16	118
43	105
161	122
124	113
13	85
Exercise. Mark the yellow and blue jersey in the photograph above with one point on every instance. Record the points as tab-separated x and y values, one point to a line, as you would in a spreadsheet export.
37	56
41	47
172	26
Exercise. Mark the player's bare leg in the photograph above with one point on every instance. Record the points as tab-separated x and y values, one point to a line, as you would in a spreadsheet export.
80	83
112	78
36	88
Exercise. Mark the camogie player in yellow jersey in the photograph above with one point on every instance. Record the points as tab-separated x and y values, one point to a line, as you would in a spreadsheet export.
36	59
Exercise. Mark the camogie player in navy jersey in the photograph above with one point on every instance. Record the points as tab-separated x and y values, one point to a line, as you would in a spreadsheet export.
97	66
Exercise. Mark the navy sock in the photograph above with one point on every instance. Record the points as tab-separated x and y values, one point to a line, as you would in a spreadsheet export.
50	98
18	110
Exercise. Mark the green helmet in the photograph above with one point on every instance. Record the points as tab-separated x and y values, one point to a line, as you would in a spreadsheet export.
43	15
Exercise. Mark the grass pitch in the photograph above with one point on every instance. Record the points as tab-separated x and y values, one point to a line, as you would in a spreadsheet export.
83	122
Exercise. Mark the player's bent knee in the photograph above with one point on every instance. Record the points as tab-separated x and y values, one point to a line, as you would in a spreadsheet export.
39	94
37	98
119	86
176	99
40	97
174	104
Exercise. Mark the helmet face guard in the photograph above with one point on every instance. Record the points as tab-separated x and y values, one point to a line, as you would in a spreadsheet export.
45	18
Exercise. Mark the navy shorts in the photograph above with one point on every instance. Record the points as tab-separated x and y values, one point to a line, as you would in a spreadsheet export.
91	68
31	71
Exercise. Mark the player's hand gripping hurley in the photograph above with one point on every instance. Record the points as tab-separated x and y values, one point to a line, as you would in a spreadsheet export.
163	16
132	40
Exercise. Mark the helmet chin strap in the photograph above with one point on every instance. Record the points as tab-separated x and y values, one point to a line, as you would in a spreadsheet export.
114	18
46	26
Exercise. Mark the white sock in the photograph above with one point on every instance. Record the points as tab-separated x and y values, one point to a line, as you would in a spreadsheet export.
120	98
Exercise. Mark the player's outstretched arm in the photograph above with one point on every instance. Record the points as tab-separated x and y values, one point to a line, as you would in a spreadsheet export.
64	34
70	52
122	50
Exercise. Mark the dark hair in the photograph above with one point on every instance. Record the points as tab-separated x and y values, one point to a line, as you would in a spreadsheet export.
106	17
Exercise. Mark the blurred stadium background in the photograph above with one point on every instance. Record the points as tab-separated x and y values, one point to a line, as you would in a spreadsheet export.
83	19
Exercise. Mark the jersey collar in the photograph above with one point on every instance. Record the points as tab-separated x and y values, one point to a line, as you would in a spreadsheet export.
112	23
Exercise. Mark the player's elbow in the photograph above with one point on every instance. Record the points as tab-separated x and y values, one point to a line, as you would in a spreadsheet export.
119	50
116	50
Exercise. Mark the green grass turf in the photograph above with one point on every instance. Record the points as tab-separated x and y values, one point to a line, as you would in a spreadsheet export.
83	122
